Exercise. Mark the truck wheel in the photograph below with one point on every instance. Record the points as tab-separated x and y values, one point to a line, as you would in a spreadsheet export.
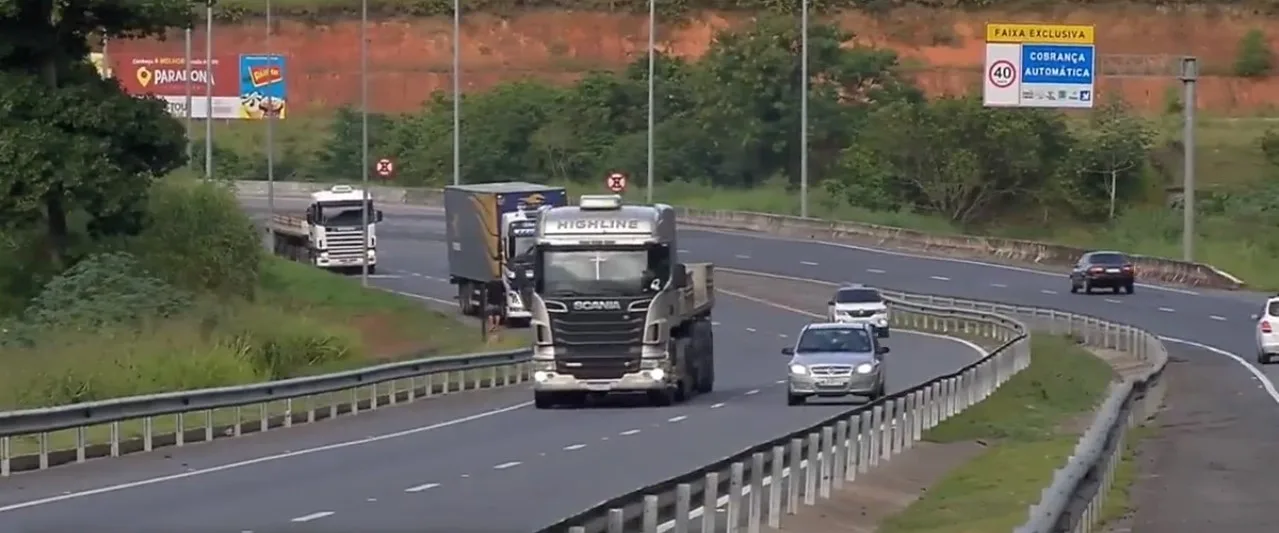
544	400
372	269
464	298
704	342
661	398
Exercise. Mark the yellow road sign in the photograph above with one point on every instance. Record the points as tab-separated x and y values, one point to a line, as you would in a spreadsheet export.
1040	33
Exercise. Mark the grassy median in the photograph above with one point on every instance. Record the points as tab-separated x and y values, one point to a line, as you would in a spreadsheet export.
1030	426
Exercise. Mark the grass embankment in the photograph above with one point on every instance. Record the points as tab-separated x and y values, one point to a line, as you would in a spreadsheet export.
1030	426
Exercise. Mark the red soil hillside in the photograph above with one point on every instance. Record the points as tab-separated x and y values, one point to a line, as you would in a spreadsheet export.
409	58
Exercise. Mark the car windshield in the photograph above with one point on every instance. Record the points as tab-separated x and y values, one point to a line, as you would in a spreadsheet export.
834	340
595	272
1108	259
343	213
857	296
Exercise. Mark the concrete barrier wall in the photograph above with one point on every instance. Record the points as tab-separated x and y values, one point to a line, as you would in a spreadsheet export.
1150	269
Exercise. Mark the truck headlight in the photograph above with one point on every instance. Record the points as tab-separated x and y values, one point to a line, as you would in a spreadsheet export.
657	374
865	368
798	369
543	365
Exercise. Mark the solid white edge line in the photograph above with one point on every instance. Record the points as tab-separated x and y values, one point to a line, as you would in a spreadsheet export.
1266	384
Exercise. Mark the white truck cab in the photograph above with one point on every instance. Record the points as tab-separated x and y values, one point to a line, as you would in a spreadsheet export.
331	233
519	241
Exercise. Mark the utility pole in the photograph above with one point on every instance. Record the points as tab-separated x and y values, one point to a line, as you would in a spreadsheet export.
270	139
208	89
364	133
652	71
457	92
803	110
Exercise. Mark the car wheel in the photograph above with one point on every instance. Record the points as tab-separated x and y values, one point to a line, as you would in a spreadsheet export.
1087	287
795	399
1074	289
1128	288
1118	288
1263	358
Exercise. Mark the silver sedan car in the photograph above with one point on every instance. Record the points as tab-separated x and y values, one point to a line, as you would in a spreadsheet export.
835	360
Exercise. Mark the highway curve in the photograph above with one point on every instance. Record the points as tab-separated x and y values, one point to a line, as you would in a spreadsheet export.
480	461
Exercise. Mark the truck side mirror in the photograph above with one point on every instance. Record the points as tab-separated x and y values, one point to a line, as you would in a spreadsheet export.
378	218
310	215
832	302
882	350
788	351
679	276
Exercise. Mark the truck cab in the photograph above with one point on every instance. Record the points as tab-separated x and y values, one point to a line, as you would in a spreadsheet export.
331	233
613	309
519	239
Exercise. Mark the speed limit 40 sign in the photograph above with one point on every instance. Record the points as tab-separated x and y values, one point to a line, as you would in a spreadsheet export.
1002	74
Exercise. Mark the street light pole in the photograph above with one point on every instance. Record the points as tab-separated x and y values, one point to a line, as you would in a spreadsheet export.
270	141
364	133
186	58
208	89
803	111
652	63
457	92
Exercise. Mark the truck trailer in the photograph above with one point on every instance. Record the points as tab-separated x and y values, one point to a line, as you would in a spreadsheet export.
491	230
614	311
330	233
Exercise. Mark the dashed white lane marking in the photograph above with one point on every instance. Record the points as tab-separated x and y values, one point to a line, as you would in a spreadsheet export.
809	263
752	391
717	406
572	447
782	335
312	516
370	499
1167	309
713	323
1047	291
420	488
875	271
780	381
1113	301
677	418
682	251
1000	285
1216	317
629	432
939	278
504	466
741	256
259	460
752	330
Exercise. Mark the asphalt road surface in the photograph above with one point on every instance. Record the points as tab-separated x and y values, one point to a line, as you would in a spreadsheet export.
1210	332
482	461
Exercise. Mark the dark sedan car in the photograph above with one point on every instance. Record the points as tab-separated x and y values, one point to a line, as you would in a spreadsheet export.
1103	270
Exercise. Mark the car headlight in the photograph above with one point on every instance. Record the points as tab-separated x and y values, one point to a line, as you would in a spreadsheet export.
798	369
865	368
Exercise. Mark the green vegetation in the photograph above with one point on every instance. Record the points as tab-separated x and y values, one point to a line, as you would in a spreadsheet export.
1253	58
120	277
1030	426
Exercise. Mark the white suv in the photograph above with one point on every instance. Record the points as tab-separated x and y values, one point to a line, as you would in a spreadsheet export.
859	304
1268	331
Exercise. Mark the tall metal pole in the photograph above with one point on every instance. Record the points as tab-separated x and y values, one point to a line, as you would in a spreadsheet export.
270	139
364	134
457	92
208	89
187	61
803	110
652	71
1189	74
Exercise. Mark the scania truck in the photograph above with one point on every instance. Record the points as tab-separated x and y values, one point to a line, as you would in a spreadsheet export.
614	310
491	230
330	234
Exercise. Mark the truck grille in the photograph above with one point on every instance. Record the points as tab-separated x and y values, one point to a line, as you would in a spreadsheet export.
596	367
582	328
344	243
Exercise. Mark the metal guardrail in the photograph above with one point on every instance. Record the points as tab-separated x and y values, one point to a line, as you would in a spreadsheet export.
40	438
760	484
1149	268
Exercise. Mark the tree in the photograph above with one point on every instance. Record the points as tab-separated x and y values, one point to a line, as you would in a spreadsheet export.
73	141
1113	147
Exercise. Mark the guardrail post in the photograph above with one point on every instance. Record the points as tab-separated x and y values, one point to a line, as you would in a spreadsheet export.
148	436
899	425
796	469
208	432
264	417
736	484
577	529
840	455
886	430
650	514
710	501
810	473
756	500
44	451
774	488
913	406
683	507
876	429
430	385
824	457
851	447
5	452
616	521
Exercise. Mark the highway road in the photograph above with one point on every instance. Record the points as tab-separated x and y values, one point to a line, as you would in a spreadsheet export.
1215	436
483	461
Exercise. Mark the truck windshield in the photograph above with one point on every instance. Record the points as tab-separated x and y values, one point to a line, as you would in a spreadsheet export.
590	272
345	213
520	246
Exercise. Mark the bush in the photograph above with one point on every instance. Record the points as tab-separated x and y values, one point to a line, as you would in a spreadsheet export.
1253	57
282	343
198	239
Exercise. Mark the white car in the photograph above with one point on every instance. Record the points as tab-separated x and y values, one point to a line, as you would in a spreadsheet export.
1268	331
859	304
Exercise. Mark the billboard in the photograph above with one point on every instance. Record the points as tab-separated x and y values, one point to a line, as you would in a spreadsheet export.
243	87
